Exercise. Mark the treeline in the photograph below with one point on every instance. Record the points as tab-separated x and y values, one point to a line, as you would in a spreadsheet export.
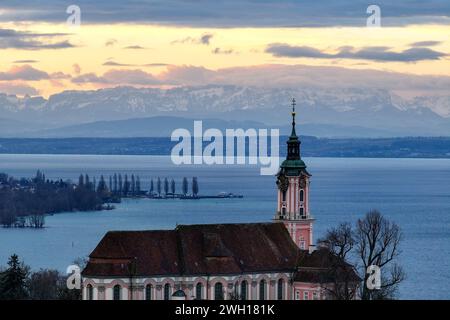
18	283
406	147
25	202
164	188
122	186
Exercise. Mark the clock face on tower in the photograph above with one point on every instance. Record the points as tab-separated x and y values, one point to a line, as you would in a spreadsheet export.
302	183
283	183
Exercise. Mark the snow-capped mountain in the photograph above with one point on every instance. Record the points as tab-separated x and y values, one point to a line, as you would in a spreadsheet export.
349	107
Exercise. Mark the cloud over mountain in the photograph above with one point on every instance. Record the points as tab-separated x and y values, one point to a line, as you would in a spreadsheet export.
130	77
20	88
268	76
25	72
383	54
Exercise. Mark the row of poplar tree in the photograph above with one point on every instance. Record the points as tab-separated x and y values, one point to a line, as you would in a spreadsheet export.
129	186
173	190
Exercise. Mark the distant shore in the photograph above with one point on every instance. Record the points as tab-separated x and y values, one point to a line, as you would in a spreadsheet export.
406	147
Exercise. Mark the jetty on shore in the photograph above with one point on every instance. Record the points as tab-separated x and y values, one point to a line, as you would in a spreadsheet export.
221	195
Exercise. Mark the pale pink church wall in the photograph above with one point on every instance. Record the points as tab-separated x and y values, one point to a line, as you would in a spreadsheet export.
300	231
189	286
300	288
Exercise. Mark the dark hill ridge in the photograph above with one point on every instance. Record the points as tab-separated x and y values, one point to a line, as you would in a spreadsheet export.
408	147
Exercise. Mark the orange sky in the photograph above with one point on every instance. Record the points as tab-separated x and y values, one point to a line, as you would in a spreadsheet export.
93	45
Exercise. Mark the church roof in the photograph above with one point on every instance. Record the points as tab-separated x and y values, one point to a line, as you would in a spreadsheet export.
216	249
321	266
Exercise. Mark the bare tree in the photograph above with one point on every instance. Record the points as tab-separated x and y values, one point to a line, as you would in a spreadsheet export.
374	242
378	242
340	281
339	240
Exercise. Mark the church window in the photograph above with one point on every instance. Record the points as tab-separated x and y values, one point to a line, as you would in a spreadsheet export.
167	291
198	291
117	292
262	290
244	290
280	289
148	292
90	292
302	244
218	291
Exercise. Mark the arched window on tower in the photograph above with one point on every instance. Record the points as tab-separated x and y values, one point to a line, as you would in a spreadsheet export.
302	211
302	195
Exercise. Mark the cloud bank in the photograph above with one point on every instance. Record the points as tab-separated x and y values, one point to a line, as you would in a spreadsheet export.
10	38
383	54
232	13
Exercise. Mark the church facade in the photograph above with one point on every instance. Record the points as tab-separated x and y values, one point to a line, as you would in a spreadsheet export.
254	261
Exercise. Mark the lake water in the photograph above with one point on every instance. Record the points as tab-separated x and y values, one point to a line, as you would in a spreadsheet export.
415	193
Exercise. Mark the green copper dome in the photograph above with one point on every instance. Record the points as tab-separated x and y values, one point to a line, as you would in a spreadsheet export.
297	164
293	168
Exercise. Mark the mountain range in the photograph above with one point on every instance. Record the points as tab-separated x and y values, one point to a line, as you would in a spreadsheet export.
131	112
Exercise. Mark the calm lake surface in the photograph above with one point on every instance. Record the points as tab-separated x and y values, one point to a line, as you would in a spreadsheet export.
415	193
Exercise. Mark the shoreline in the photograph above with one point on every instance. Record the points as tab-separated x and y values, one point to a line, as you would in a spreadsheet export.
401	147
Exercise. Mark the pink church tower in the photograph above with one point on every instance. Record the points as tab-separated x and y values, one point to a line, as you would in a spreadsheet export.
293	193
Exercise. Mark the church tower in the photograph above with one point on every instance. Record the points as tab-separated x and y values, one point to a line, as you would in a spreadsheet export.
293	193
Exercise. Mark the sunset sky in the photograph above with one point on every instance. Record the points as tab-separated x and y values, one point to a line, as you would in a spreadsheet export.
168	43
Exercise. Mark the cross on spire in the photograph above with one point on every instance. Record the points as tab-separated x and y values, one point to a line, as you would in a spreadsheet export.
293	142
293	118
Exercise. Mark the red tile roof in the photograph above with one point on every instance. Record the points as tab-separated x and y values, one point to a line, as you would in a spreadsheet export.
216	249
321	266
